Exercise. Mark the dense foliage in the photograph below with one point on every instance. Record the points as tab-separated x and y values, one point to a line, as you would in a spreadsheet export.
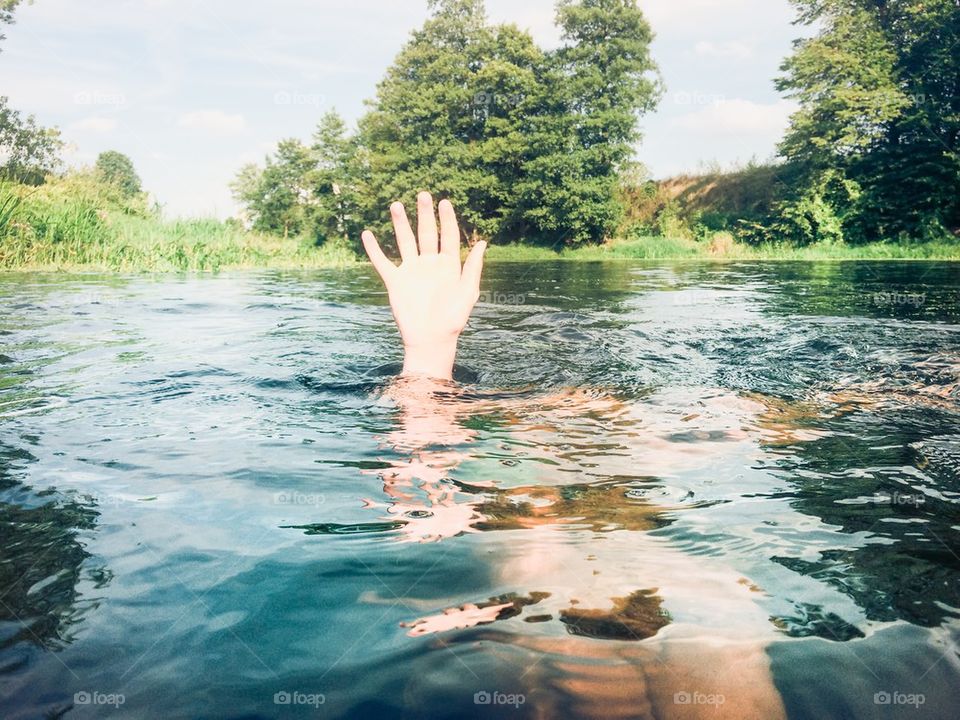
874	146
28	151
537	146
527	143
116	169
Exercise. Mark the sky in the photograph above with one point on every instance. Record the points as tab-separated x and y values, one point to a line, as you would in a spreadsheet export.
192	91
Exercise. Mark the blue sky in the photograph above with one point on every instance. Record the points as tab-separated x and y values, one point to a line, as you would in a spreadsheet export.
192	91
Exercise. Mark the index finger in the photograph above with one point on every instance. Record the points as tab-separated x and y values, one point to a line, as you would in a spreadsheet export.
381	263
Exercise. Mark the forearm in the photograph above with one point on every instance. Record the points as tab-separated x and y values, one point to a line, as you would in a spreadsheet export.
434	361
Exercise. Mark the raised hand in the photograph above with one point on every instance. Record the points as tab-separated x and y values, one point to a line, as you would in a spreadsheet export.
431	295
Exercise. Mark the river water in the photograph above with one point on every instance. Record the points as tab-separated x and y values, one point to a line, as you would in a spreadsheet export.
655	490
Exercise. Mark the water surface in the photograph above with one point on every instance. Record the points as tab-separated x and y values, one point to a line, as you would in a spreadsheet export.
657	490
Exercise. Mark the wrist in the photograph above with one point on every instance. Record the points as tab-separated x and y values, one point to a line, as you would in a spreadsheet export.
433	360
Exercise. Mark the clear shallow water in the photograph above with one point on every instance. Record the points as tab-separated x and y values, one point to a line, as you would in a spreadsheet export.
729	489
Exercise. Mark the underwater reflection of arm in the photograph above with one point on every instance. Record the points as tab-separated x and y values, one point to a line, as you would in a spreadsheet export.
428	439
431	295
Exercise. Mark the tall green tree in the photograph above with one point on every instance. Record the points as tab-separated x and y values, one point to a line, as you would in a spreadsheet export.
275	198
422	129
596	86
528	144
334	208
875	140
117	169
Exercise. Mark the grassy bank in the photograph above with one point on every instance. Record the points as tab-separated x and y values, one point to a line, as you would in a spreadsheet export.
75	223
145	245
723	247
139	244
195	245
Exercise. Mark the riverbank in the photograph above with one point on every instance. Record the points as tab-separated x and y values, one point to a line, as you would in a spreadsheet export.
723	247
148	245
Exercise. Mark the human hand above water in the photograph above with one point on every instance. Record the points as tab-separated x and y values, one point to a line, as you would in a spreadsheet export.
431	295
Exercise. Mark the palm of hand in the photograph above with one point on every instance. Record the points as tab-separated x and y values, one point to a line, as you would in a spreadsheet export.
430	301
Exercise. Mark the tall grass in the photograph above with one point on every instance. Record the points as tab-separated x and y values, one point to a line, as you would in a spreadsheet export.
721	246
75	223
139	244
9	202
651	247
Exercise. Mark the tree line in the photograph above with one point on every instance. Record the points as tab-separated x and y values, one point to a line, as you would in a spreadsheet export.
526	143
872	153
538	146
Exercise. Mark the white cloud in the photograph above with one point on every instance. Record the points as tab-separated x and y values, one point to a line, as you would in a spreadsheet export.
213	121
95	124
732	49
738	116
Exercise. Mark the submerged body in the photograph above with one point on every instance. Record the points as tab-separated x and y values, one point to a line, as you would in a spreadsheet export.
651	630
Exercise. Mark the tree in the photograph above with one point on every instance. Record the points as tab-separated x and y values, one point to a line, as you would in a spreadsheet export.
276	197
245	188
28	151
335	210
879	94
596	87
422	129
526	143
116	169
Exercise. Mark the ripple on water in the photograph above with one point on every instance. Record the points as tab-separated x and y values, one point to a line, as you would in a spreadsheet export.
636	460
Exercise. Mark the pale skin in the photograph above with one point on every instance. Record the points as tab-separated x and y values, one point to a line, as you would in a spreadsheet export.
431	294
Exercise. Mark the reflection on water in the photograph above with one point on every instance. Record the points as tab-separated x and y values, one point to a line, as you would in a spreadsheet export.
702	490
43	561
